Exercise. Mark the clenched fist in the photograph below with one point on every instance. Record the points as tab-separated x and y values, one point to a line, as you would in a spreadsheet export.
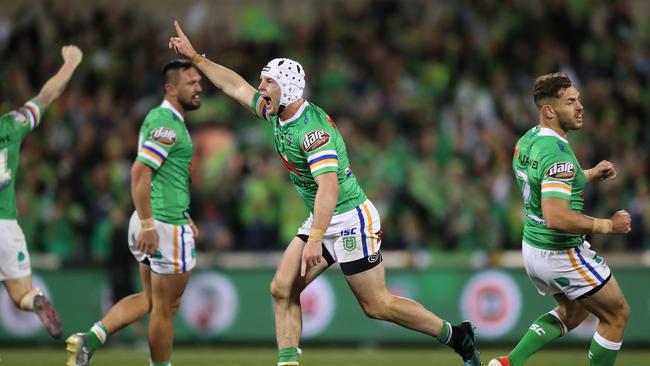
71	55
621	221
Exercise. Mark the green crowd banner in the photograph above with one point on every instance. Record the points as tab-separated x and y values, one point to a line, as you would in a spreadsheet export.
235	306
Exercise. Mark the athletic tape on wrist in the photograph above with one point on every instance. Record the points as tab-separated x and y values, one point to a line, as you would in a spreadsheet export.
197	59
147	224
602	226
316	235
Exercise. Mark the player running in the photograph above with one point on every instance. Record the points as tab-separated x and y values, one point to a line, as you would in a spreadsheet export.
343	226
161	234
557	257
15	269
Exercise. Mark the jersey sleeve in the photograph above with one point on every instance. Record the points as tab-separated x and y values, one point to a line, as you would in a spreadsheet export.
558	171
157	140
22	120
258	105
320	150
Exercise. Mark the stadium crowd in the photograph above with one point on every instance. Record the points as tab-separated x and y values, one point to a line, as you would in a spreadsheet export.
429	96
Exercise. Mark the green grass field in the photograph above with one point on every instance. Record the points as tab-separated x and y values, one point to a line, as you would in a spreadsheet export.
313	356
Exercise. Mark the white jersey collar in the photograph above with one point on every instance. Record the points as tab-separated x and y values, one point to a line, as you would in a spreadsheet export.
545	131
166	104
295	115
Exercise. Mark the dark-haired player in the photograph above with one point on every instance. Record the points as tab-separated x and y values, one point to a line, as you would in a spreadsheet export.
161	234
557	258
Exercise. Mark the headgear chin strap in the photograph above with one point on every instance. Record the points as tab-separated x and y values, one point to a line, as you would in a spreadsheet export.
289	75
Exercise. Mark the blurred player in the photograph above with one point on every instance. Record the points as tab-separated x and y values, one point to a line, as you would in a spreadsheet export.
161	234
15	269
557	258
344	225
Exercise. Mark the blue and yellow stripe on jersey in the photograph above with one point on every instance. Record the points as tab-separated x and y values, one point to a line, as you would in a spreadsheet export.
322	160
153	154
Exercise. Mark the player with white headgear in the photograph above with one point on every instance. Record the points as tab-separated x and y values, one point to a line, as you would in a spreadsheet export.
343	226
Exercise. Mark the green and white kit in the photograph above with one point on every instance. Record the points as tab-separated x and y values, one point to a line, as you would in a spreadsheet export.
556	261
309	144
166	147
14	127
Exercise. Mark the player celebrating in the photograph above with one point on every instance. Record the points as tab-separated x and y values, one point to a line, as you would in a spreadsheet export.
557	258
15	269
343	226
161	234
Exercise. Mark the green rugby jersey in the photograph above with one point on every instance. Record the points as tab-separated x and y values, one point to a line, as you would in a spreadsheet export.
14	126
545	166
166	147
309	144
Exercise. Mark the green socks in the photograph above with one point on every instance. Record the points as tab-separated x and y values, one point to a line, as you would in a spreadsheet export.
289	356
543	331
96	336
602	351
445	333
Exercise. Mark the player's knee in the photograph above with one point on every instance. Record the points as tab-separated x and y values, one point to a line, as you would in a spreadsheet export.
166	308
145	301
280	290
617	314
375	309
623	312
573	318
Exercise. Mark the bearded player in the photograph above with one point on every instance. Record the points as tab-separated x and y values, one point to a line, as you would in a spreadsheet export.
343	226
557	258
15	269
161	233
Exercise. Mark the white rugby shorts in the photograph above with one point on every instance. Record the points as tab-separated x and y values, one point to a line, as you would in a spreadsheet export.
176	251
576	272
352	235
14	258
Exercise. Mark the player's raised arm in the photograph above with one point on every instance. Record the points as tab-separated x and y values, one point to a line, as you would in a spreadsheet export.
53	88
231	83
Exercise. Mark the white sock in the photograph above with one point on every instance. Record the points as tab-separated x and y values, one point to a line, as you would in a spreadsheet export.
607	344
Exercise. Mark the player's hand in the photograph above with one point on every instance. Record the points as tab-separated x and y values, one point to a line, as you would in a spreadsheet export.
603	170
72	55
148	241
621	222
181	44
195	229
312	254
